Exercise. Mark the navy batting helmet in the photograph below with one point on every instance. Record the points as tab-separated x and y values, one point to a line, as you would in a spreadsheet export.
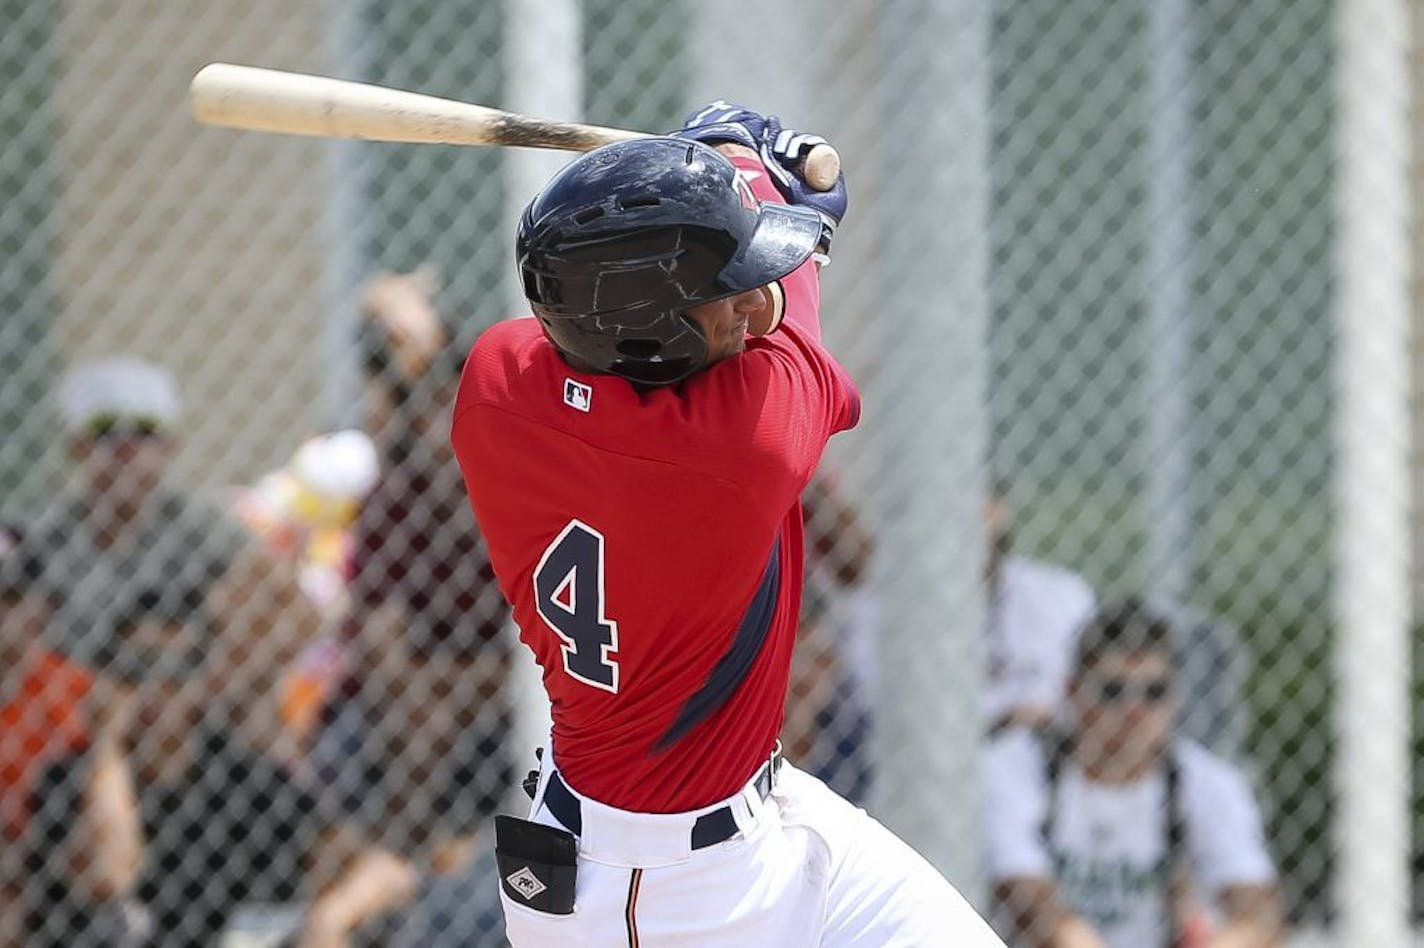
625	239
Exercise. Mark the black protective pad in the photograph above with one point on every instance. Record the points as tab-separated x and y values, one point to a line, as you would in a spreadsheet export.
538	865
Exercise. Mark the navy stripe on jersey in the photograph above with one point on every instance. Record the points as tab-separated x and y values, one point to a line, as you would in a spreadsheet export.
732	668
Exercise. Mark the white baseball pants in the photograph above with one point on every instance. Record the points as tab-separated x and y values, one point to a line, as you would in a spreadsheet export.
807	869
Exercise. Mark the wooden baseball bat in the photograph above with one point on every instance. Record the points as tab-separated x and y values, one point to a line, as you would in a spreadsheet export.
271	100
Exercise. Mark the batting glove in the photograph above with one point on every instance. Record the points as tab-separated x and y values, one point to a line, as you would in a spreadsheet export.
782	151
721	121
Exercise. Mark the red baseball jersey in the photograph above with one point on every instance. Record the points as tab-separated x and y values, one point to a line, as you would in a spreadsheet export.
650	543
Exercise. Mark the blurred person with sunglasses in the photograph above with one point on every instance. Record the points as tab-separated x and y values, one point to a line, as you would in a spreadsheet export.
1035	612
1115	832
120	527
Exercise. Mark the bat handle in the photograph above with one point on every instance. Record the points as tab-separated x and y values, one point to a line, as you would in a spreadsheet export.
821	167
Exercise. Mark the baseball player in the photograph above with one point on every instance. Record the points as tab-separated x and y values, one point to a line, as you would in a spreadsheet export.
635	455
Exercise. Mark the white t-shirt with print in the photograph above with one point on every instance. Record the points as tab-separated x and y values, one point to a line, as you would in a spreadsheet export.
1035	615
1110	840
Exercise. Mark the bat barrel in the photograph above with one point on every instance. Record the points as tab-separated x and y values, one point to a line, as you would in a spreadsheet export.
272	100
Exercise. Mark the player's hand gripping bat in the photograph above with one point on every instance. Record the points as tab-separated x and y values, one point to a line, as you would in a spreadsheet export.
270	100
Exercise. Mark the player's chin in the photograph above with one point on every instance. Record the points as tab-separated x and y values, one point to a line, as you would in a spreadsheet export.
729	344
737	337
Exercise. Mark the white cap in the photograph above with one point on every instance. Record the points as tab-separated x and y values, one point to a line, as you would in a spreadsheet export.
122	387
341	465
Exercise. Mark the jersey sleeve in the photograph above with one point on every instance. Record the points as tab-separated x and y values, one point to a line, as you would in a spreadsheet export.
1226	838
1015	806
784	397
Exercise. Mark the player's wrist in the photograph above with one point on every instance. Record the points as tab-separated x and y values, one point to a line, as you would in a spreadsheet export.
734	150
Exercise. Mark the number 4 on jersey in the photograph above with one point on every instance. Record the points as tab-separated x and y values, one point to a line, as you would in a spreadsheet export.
568	592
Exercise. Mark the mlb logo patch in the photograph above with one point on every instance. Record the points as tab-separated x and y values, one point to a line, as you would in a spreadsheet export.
578	395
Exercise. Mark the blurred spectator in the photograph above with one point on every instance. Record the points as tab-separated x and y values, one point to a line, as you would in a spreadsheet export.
1035	613
119	529
40	716
305	513
305	510
827	727
835	668
416	744
1117	833
416	760
40	690
401	337
839	550
171	818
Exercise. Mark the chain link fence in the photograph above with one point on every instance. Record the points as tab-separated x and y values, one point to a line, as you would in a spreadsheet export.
1097	285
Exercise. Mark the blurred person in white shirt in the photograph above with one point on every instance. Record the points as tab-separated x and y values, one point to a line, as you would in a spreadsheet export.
1117	833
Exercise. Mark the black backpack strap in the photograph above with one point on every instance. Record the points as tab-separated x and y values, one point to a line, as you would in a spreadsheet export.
1176	815
1056	747
1177	860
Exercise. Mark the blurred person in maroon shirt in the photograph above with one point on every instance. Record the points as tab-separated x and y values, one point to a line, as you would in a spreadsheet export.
415	742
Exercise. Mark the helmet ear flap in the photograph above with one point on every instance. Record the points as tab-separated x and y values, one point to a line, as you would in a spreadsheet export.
663	358
644	350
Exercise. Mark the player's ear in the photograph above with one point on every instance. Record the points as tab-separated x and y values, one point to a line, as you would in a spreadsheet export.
764	306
